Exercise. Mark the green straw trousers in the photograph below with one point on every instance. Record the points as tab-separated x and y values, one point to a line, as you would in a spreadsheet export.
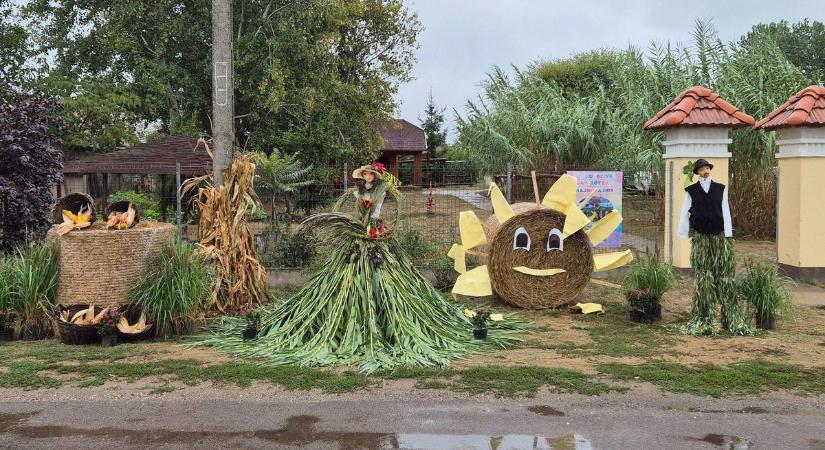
714	282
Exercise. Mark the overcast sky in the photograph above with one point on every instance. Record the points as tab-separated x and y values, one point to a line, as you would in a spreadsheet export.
463	39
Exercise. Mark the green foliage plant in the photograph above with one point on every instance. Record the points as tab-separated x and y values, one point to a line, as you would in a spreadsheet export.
764	291
176	286
149	207
652	274
35	283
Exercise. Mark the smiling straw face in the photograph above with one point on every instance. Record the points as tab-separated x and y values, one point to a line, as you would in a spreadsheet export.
539	258
532	265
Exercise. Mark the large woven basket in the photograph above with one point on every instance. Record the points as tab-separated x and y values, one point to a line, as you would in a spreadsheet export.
101	267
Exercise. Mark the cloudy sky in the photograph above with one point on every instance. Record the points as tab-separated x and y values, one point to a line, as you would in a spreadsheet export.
463	39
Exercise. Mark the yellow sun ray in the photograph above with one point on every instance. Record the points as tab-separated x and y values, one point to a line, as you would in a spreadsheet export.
604	227
501	208
475	283
470	230
459	261
575	219
609	261
561	193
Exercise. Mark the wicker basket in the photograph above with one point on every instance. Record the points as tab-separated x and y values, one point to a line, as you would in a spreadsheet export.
101	266
73	202
72	334
122	206
132	314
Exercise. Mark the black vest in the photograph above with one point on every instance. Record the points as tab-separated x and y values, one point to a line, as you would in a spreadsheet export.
706	208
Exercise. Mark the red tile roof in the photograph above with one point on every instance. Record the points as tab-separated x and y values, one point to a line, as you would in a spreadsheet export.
158	157
699	107
805	108
401	136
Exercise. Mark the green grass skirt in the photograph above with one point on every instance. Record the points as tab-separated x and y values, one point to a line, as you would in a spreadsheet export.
714	283
368	307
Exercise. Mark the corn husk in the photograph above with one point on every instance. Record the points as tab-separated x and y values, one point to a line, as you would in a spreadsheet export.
241	279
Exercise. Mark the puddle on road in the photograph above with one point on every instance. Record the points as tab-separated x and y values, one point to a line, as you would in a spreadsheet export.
299	430
544	410
726	442
745	410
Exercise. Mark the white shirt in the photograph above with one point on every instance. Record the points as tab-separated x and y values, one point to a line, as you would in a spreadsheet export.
684	221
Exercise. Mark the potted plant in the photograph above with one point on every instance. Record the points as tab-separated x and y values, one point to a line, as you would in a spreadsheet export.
646	283
6	333
644	306
36	286
251	330
108	328
761	288
479	320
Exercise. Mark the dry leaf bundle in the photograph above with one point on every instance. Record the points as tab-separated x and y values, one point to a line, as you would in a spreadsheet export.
241	280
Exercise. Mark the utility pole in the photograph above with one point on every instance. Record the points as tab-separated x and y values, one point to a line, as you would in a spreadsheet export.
223	87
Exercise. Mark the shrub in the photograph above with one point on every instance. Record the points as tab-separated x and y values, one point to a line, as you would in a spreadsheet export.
30	165
177	284
34	281
651	274
283	247
761	288
149	207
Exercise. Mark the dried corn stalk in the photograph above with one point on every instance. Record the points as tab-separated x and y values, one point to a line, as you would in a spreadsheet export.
241	280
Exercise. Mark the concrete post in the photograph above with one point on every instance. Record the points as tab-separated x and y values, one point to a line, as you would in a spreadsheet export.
800	218
223	114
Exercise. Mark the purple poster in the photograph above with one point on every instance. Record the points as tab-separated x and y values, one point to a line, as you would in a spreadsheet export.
607	197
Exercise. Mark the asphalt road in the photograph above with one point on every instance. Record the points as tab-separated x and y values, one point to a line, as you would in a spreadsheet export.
637	420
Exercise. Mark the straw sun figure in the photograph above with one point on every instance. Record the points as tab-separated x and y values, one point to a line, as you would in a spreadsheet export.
540	256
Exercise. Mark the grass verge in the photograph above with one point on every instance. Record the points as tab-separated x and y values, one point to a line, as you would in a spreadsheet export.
744	378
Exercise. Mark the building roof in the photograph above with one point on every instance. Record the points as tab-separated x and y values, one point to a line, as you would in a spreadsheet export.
157	157
699	107
805	108
401	136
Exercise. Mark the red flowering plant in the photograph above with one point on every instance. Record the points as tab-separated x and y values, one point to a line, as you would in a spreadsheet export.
641	300
379	167
367	203
376	229
108	325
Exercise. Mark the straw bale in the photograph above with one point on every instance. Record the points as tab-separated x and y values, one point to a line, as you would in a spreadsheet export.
100	266
539	292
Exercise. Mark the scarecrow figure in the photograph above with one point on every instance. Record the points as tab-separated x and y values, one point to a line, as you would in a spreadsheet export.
366	179
367	305
707	221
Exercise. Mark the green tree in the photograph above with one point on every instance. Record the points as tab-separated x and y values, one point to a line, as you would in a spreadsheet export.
309	75
580	75
433	125
803	43
282	175
14	48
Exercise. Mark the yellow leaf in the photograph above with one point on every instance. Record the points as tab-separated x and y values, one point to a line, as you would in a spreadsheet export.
475	283
501	208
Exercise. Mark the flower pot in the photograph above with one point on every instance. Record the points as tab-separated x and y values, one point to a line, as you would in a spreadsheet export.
108	340
185	326
649	315
6	335
250	333
33	332
765	323
480	334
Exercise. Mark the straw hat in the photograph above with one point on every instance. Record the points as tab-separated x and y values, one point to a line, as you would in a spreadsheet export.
359	172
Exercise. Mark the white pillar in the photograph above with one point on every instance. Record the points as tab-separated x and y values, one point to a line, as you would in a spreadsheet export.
683	145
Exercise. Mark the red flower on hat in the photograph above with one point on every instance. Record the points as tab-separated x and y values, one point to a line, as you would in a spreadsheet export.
379	167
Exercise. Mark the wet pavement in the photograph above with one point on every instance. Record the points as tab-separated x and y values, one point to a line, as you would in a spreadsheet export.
559	422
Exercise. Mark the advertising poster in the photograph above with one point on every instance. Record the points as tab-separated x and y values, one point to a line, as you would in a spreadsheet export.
608	196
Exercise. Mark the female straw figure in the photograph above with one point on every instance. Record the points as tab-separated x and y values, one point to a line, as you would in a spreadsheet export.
367	306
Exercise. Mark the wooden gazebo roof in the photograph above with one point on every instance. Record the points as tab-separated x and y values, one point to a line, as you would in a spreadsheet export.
155	158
